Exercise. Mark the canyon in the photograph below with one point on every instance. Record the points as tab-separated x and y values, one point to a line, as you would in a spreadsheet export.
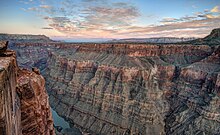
121	88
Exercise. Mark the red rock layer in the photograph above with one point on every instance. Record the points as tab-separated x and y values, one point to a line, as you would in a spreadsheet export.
9	101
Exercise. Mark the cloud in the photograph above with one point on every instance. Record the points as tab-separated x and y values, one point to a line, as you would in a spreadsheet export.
33	9
45	6
215	9
194	6
111	16
103	18
92	0
23	9
206	14
98	18
186	29
169	20
47	28
24	2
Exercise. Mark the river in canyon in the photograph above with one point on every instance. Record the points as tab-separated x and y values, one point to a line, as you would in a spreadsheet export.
63	125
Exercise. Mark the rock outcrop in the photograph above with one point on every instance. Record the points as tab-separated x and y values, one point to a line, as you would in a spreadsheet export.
212	39
24	102
36	116
10	112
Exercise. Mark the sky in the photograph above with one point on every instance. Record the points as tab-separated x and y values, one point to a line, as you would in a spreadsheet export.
109	19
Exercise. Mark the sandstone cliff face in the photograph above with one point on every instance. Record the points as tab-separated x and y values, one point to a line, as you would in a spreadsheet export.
36	116
195	99
25	109
9	100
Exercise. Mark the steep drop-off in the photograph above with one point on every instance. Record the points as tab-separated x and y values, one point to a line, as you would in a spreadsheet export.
24	104
10	112
36	117
131	88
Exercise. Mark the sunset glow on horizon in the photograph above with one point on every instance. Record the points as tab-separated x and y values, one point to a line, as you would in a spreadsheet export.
104	19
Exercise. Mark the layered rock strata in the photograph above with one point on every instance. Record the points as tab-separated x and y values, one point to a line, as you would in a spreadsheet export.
195	99
36	117
24	106
10	111
131	93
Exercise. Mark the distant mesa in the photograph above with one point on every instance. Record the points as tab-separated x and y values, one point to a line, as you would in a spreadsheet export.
159	40
24	38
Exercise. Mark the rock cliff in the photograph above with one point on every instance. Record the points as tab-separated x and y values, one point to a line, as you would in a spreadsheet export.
24	102
131	88
10	111
36	117
212	39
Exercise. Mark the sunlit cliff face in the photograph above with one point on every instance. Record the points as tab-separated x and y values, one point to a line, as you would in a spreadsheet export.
68	19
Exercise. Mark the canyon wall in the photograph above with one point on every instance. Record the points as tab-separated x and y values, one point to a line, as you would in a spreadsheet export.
24	102
10	112
136	93
36	117
130	89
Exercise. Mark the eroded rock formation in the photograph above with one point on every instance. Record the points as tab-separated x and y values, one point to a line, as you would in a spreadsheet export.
25	109
136	93
36	116
10	112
